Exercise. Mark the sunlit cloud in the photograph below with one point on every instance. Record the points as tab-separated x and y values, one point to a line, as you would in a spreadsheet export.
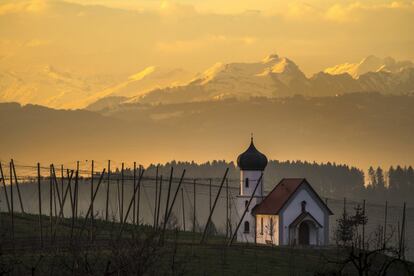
23	6
36	43
176	9
301	11
104	35
207	41
354	11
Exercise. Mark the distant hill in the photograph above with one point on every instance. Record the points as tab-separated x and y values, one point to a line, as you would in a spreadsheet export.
360	129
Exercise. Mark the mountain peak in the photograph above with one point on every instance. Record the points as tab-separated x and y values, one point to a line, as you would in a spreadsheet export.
368	64
142	74
271	58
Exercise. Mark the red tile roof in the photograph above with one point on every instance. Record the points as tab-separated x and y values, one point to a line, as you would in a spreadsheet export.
280	195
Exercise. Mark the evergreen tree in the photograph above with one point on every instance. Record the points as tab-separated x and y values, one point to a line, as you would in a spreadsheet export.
372	177
345	229
379	175
391	180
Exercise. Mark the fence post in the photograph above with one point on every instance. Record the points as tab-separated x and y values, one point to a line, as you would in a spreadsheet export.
11	202
17	186
107	189
214	206
159	203
182	202
4	187
40	204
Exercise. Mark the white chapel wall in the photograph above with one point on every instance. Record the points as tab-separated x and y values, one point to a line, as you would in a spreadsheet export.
294	208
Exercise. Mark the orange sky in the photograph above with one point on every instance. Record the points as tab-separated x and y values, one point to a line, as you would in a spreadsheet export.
108	36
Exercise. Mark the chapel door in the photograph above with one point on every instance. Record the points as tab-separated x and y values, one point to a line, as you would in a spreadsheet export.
304	233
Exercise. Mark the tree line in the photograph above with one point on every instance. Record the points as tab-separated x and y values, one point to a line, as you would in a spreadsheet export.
396	184
328	179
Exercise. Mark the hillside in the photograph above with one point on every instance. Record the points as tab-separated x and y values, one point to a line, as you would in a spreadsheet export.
180	254
356	129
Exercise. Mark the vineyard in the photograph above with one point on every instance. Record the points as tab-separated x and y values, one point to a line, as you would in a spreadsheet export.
73	221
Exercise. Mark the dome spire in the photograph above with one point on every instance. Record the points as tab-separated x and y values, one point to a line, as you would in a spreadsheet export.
252	159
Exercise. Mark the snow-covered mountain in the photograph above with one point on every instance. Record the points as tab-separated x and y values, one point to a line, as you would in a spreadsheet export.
138	84
52	87
49	86
276	76
370	64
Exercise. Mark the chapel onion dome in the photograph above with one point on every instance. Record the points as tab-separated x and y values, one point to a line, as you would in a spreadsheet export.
252	159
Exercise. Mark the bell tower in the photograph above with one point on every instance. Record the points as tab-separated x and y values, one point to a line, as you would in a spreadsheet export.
252	163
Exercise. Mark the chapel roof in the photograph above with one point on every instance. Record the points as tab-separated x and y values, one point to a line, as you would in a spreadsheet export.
280	195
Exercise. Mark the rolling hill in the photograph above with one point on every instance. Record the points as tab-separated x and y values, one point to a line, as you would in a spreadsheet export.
360	129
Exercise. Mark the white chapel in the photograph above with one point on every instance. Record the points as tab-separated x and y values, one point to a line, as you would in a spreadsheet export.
290	214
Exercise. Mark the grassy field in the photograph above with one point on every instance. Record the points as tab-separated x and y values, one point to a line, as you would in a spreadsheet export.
100	250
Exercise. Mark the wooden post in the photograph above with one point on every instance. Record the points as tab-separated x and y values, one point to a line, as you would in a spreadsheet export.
172	203
5	189
40	204
214	206
74	205
17	186
401	250
230	226
61	215
11	203
56	189
130	204
209	194
92	211
168	200
70	194
159	203
107	190
156	197
77	190
227	208
89	212
54	192
182	203
363	226
245	210
134	205
385	225
65	195
194	211
61	179
118	191
139	194
51	203
122	191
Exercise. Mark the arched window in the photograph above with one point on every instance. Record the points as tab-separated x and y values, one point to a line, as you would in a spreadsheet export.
246	182
261	226
303	203
246	227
